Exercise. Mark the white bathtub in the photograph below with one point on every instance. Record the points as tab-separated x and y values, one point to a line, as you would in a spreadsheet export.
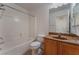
17	50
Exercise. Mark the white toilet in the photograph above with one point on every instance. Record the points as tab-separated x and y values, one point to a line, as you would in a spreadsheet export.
37	43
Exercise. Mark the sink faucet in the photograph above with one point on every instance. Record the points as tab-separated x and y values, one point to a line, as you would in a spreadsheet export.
59	35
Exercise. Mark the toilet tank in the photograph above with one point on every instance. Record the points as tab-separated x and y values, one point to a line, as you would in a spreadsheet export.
40	37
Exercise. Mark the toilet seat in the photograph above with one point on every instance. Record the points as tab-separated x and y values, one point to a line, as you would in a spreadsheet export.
35	44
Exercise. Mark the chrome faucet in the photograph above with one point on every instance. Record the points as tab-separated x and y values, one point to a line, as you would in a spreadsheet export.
59	35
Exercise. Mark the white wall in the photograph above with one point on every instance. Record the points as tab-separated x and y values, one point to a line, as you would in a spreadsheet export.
42	19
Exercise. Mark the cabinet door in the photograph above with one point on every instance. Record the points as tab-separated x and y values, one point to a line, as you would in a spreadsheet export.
70	49
59	50
50	47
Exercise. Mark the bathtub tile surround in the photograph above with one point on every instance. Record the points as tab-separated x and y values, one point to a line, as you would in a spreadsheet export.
17	29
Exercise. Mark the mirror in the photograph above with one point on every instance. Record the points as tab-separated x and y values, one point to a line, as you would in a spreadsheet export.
59	19
75	20
64	19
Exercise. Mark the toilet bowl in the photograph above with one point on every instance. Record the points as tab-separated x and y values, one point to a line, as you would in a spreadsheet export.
37	43
35	46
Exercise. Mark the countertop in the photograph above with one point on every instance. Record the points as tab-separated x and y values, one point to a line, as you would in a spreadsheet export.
72	40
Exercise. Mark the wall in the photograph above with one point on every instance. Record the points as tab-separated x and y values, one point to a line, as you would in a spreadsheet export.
75	20
42	19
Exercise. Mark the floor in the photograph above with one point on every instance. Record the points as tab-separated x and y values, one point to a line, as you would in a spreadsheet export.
29	52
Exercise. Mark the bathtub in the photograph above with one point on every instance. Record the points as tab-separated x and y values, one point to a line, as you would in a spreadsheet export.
17	50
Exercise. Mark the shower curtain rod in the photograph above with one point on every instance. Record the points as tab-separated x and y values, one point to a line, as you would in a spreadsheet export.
1	5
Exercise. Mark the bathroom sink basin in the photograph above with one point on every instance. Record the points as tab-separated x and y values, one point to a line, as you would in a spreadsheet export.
62	38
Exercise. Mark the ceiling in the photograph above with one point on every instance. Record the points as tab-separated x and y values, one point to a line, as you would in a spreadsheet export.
32	6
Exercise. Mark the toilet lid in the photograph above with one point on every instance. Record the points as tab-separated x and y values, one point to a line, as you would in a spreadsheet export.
35	44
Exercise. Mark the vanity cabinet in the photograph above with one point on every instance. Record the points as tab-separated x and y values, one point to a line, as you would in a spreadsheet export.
70	49
54	47
59	48
50	47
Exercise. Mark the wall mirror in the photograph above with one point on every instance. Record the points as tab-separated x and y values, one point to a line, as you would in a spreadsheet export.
59	19
75	19
64	19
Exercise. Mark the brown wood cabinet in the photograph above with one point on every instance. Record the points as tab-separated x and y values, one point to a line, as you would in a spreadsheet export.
50	47
59	46
70	49
53	47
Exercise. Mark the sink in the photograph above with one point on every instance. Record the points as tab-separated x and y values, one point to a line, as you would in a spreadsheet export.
59	36
62	38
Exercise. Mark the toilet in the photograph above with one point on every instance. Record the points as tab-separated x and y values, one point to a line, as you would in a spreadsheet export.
37	44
